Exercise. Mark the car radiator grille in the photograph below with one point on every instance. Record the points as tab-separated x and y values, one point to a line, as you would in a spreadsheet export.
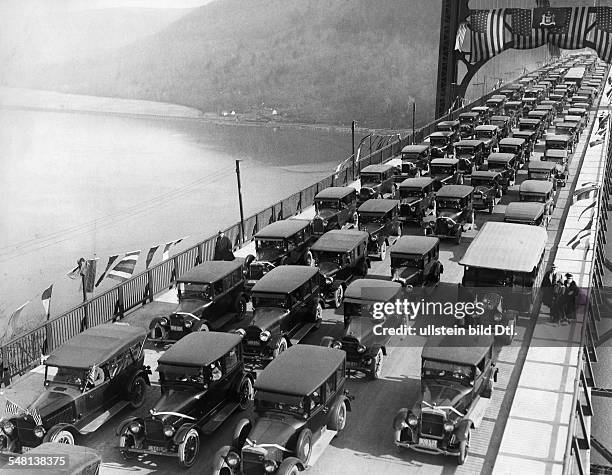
317	226
349	345
252	463
25	432
432	424
154	430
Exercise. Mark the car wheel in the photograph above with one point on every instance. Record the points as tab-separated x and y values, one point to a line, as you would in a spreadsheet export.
245	393
338	296
303	447
376	365
319	315
282	346
383	251
126	441
337	419
240	308
136	392
189	448
289	467
62	437
463	449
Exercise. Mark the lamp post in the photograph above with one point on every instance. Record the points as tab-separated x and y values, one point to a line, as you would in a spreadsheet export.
413	119
240	201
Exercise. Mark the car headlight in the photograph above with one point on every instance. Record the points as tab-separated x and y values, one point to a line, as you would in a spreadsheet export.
324	222
374	237
163	321
135	427
8	427
329	280
412	420
264	336
269	466
337	345
188	324
39	431
168	431
412	208
449	427
361	349
232	459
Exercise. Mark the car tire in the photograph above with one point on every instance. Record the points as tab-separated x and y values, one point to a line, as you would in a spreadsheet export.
240	308
62	436
337	419
375	369
137	392
338	296
463	449
126	441
189	448
289	466
318	315
282	346
383	250
245	393
303	446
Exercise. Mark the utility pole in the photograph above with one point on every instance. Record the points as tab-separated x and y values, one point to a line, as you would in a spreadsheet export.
240	201
413	119
353	145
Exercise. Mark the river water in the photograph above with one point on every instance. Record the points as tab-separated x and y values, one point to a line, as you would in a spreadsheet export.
76	184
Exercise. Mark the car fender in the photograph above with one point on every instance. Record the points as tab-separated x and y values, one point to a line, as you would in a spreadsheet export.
400	418
347	401
182	431
126	422
155	321
463	429
57	428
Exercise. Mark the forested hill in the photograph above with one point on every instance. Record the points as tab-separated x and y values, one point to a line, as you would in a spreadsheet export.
325	61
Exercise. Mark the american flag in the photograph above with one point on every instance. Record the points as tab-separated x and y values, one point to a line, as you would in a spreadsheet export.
12	408
602	33
523	35
603	124
574	32
488	33
460	38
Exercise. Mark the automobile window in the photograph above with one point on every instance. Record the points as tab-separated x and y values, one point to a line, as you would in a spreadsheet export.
284	403
370	179
331	384
442	169
480	367
270	300
446	369
358	250
414	261
271	245
218	286
227	283
230	360
187	290
411	193
327	256
449	204
339	374
352	309
62	375
116	364
96	376
317	398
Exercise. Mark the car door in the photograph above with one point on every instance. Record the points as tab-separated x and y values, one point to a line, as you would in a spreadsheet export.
319	409
99	396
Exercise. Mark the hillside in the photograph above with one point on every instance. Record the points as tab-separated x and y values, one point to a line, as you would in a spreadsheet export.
326	61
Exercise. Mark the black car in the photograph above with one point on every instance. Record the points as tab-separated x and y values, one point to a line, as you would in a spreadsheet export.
335	207
203	381
516	146
447	171
530	137
543	170
441	143
380	218
468	120
489	134
454	211
88	380
449	126
504	124
506	164
280	243
415	161
457	377
487	189
417	199
415	261
209	295
300	405
340	255
471	153
377	181
532	125
524	212
286	307
364	339
538	191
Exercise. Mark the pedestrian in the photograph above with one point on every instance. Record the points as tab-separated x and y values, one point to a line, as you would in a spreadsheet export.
557	305
571	295
548	282
223	248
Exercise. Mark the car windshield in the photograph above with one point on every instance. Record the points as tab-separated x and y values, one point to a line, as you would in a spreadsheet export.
186	374
188	290
484	134
371	218
508	149
406	260
270	300
479	181
466	120
62	375
327	204
438	141
449	203
442	170
370	179
411	192
499	123
556	145
284	403
438	369
464	150
262	245
533	197
483	277
328	256
538	175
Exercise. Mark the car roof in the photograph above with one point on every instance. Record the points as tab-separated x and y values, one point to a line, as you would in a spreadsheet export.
577	110
448	122
378	206
96	345
415	148
340	240
537	112
372	290
567	123
527	120
199	349
535	186
444	161
480	108
441	133
555	152
543	107
414	245
524	210
563	137
572	119
512	141
500	117
284	279
417	182
485	174
506	246
468	143
299	370
486	127
282	229
540	165
335	192
496	99
526	133
380	168
211	271
454	191
469	114
466	350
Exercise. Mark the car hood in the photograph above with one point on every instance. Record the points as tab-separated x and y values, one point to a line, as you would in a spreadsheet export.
268	430
441	395
265	318
52	399
411	201
361	329
482	189
269	255
406	275
372	228
328	269
178	402
447	213
368	190
326	214
191	306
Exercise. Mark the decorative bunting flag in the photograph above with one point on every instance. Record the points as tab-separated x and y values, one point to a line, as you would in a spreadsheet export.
46	300
12	408
125	267
166	251
110	262
14	318
460	38
89	274
35	415
78	270
150	255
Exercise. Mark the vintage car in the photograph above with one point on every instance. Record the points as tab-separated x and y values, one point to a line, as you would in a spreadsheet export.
510	94
518	89
471	152
88	380
415	161
504	123
280	243
532	125
441	143
544	116
449	126
414	261
538	191
286	307
543	170
335	207
300	404
578	121
457	376
550	109
61	459
365	345
558	101
380	218
454	211
468	121
208	295
447	171
377	181
523	212
516	146
569	129
489	134
496	103
487	189
417	199
530	137
533	93
484	113
203	381
528	104
506	164
514	109
340	255
560	158
580	112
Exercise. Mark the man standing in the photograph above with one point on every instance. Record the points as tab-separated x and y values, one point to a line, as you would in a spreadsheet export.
557	304
548	282
223	248
571	295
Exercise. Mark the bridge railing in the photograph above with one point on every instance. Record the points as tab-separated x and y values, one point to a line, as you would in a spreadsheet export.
23	352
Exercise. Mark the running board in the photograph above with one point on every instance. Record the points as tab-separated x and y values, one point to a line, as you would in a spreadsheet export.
302	333
320	445
221	416
102	418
